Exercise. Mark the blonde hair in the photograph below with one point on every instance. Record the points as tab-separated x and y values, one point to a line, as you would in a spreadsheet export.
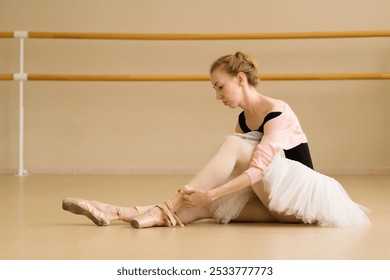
234	64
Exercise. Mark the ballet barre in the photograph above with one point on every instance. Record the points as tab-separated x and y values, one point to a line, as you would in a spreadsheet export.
189	78
21	77
7	77
196	36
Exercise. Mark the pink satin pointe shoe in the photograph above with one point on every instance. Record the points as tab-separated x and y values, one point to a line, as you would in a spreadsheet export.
84	207
102	214
148	219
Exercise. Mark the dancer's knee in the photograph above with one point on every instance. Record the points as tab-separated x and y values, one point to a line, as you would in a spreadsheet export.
242	149
232	143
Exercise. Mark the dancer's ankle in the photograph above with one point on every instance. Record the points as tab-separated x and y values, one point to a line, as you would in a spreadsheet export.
126	214
176	202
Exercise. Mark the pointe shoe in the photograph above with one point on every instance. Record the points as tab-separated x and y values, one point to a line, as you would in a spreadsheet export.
126	216
84	207
102	214
147	219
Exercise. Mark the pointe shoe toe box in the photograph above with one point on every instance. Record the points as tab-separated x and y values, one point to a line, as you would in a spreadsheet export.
83	207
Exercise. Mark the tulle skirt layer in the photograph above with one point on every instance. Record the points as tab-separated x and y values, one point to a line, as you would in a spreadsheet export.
228	207
295	189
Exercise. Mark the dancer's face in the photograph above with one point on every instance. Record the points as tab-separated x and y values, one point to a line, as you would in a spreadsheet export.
227	88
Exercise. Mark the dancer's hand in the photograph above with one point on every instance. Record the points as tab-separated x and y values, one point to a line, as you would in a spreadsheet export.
195	198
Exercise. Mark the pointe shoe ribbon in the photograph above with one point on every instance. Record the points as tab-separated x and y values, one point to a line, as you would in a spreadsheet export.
173	218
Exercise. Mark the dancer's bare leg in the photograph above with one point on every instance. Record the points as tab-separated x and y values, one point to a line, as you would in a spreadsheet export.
190	215
255	211
258	188
235	153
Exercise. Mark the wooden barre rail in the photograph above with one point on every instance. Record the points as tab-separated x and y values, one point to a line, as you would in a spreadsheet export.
202	36
6	35
6	77
156	78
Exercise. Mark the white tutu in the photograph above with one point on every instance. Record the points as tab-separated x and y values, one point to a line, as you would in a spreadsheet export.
295	189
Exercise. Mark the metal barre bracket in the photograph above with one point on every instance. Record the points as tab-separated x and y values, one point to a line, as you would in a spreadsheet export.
21	34
20	77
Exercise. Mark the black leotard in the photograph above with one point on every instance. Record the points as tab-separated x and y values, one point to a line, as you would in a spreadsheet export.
299	153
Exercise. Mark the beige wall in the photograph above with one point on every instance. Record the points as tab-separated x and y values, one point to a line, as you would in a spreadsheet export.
176	126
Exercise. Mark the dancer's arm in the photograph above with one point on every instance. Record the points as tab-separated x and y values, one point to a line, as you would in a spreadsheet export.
236	184
198	198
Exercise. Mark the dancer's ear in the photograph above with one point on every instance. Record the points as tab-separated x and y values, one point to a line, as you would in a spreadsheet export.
241	78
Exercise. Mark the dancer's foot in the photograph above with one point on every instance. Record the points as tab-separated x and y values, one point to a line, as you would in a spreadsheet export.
161	215
86	208
100	213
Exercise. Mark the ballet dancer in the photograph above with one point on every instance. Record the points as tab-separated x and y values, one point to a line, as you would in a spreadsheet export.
263	172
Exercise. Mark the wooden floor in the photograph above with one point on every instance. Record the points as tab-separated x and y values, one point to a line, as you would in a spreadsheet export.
34	226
